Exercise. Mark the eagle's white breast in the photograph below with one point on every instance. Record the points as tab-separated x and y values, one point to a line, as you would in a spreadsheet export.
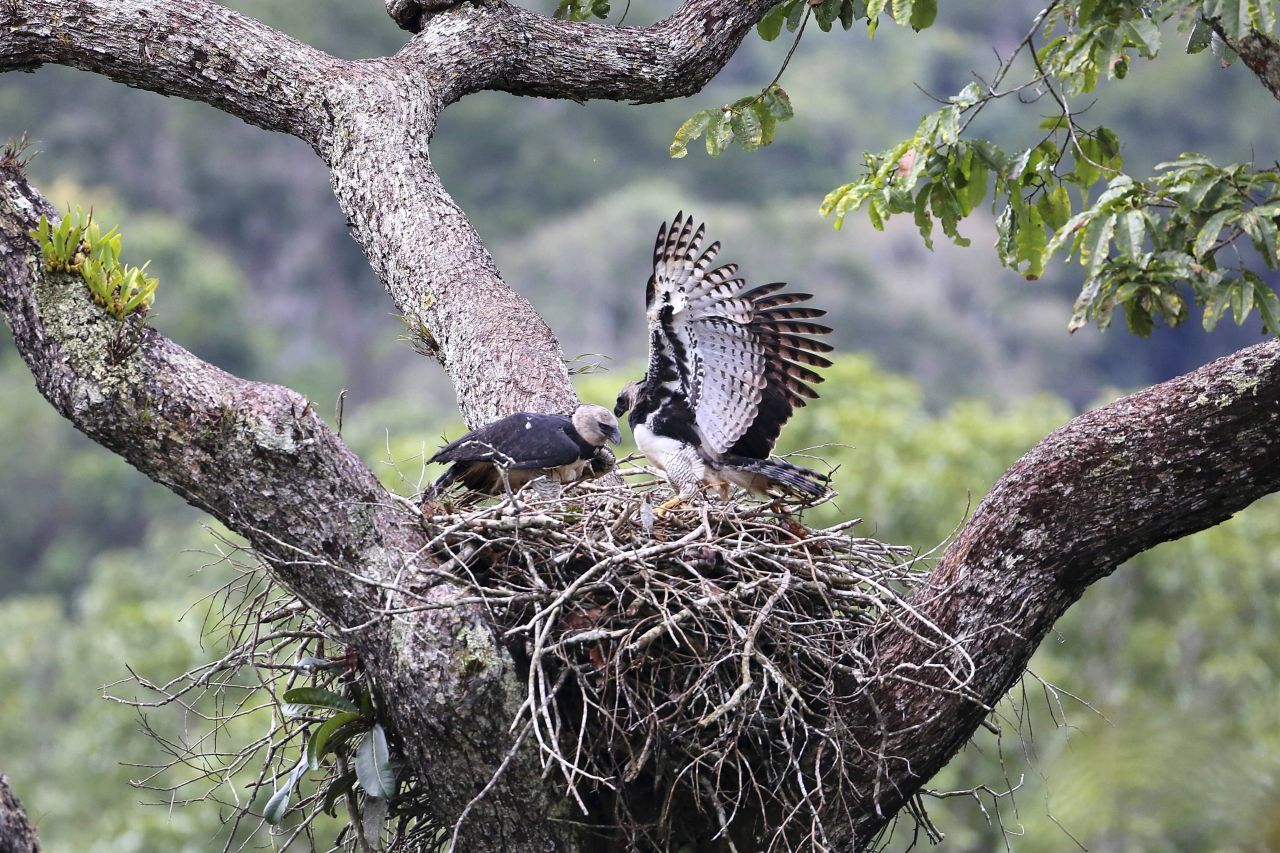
659	448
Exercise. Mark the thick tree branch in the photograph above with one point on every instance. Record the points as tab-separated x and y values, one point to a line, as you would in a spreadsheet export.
1174	459
17	835
1259	52
499	353
259	458
492	44
194	49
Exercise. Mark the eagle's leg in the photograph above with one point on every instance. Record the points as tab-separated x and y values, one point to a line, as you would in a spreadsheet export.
546	488
685	471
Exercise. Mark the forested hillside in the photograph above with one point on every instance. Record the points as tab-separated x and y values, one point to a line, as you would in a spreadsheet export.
950	368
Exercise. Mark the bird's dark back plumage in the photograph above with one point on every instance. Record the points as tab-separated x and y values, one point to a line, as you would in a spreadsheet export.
519	441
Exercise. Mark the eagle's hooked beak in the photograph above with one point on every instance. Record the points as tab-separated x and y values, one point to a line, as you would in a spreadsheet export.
614	434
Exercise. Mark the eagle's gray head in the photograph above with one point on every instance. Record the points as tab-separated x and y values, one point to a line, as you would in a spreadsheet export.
627	397
596	425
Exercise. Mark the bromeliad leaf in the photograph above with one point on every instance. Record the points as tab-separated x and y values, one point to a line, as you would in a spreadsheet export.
318	697
276	807
320	741
373	764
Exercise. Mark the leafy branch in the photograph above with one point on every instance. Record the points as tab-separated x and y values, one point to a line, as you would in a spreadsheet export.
1150	247
751	121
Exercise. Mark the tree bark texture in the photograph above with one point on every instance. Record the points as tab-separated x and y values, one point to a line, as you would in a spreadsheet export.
17	835
1163	463
1260	53
1177	458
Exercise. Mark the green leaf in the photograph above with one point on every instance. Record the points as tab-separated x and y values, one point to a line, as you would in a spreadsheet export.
874	10
796	15
319	743
342	785
923	13
778	102
849	13
373	764
693	127
1144	34
991	154
1215	307
1241	300
1200	37
1096	244
1031	242
279	802
318	697
770	26
832	203
720	134
1138	318
1055	207
825	13
1131	229
1197	197
1232	16
1084	303
1208	236
1268	303
768	124
1262	231
747	130
923	221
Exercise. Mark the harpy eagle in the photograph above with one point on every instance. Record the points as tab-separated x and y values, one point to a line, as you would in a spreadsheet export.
727	366
525	446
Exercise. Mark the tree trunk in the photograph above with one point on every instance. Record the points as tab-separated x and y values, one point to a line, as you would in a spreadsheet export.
17	835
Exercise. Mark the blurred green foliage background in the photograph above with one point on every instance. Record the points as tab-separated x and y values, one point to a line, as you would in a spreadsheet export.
952	368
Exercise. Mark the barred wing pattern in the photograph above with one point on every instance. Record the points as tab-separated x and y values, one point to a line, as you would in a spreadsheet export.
740	355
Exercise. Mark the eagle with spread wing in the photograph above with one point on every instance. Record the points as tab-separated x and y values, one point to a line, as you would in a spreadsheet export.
525	446
727	366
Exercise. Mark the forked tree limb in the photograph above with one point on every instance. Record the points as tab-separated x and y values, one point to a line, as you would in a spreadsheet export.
371	122
17	835
258	458
1174	459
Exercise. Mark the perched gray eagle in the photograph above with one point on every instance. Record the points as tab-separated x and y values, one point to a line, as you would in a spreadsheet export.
525	446
727	366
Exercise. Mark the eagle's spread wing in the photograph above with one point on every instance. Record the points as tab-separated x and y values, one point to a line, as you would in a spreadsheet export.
520	441
737	355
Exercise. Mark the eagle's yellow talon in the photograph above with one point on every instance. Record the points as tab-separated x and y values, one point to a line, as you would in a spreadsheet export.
667	506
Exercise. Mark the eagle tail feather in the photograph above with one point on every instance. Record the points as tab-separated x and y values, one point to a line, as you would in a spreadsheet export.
774	475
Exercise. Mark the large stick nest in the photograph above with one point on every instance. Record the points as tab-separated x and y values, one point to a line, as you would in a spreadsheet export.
692	679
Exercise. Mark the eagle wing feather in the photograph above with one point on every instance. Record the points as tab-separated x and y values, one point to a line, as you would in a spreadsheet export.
738	355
